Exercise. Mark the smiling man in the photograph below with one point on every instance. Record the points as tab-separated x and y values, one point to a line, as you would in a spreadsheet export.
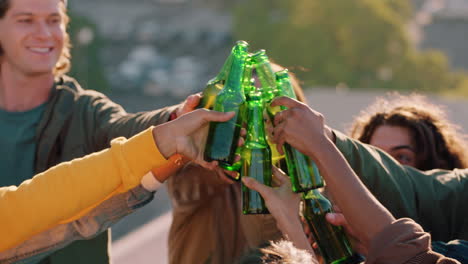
47	118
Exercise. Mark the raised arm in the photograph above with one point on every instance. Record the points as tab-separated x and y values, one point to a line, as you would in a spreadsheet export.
435	199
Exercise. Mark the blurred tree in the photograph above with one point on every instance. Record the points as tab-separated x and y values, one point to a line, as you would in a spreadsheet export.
361	43
402	8
87	67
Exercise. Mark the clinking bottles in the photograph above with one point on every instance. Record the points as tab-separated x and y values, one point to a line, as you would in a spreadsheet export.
215	85
332	241
303	172
248	87
223	136
266	76
256	156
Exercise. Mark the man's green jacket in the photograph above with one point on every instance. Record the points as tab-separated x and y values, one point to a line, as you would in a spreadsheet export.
77	122
436	199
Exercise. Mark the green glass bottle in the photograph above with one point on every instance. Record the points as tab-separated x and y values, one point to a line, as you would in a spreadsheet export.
266	76
332	241
223	136
248	87
256	156
215	85
303	172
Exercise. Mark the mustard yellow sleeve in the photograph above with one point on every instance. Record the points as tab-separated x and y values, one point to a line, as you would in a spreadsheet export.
65	191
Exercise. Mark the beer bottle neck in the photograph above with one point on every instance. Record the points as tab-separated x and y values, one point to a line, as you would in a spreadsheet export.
284	85
266	76
233	87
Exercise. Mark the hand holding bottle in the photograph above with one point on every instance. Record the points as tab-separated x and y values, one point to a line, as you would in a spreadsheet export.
187	134
338	219
300	126
188	105
283	204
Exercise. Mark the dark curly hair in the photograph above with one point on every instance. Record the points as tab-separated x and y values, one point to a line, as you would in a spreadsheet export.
439	144
63	64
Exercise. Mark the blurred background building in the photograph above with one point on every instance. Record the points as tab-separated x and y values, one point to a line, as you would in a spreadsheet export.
171	47
147	54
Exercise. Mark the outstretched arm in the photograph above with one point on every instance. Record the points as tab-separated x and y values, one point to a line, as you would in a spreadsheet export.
69	190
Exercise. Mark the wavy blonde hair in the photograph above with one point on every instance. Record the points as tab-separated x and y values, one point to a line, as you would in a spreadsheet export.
283	252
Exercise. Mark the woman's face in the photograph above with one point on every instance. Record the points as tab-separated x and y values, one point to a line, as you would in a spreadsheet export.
396	141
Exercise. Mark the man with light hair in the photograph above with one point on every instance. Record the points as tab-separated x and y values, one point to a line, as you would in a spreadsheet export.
47	118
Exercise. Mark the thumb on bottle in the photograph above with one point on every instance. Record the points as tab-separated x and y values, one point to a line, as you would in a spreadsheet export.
253	184
249	182
215	116
336	219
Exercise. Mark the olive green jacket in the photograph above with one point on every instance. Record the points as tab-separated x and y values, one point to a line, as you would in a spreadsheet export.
77	122
436	199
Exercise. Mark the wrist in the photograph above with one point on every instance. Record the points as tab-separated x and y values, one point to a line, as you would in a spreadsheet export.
315	148
174	163
295	233
330	134
162	139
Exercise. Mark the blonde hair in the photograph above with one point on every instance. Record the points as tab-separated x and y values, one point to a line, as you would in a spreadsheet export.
282	251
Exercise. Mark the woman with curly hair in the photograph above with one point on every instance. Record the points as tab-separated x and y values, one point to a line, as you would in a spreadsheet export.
412	130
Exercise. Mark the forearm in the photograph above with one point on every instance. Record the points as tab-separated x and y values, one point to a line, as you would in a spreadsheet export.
407	192
349	192
64	192
293	231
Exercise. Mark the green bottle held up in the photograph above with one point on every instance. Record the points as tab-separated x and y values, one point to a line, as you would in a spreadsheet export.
248	86
215	85
266	76
332	241
303	172
256	156
223	136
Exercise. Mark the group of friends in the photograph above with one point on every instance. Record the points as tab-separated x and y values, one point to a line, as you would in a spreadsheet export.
74	163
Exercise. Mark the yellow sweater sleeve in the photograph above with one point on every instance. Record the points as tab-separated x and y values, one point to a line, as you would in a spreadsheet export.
65	191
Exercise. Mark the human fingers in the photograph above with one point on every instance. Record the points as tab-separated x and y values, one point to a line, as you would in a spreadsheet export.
212	165
215	116
240	142
338	219
265	191
225	175
280	117
190	122
280	175
278	130
308	232
190	104
243	132
286	101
